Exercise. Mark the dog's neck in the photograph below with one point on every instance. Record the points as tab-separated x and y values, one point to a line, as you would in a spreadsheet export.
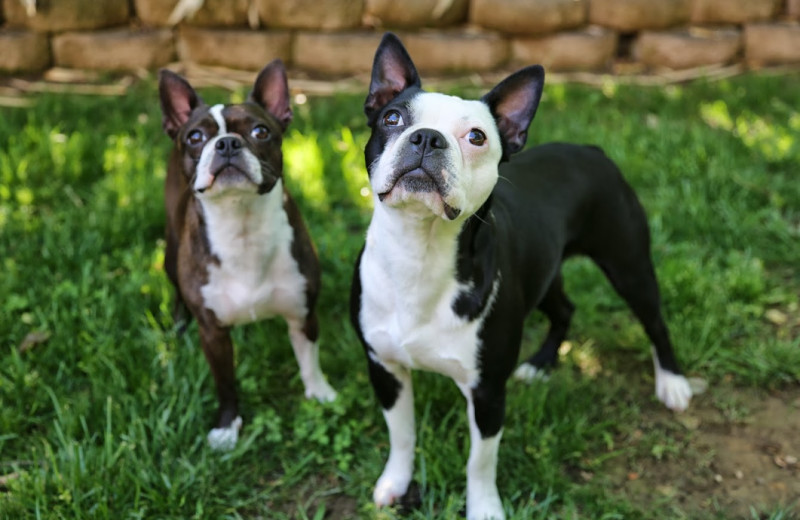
240	222
414	252
433	258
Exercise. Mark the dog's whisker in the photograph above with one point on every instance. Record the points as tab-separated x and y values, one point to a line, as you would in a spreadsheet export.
506	179
480	219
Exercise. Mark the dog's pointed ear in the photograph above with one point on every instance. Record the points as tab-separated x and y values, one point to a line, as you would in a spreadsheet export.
178	99
392	72
513	104
271	91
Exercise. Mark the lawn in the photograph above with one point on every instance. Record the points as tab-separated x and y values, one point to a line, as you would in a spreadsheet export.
104	409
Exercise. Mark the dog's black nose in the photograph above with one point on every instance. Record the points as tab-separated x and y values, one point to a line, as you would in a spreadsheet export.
426	139
228	146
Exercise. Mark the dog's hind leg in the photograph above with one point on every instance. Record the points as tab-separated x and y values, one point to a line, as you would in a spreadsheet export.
303	335
558	309
634	279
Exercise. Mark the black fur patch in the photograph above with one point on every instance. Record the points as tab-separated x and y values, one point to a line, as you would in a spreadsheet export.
476	264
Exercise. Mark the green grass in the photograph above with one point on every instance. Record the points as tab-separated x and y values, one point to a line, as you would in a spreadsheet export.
107	416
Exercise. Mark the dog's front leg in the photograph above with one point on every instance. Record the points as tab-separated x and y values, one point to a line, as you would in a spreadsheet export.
396	395
218	349
303	335
486	411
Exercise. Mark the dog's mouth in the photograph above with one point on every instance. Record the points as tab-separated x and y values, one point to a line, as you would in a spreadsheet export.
230	172
227	174
418	180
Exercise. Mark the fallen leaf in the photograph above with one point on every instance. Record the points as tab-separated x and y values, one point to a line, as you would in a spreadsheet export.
776	317
771	447
689	422
666	490
698	385
4	479
34	338
778	486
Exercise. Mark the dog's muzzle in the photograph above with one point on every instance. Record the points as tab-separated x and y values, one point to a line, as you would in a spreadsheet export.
420	168
228	155
228	160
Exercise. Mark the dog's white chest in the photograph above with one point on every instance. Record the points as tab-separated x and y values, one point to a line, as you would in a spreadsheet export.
257	277
407	317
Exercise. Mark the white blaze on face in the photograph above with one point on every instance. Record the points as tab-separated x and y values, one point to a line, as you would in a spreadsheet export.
205	177
473	171
216	113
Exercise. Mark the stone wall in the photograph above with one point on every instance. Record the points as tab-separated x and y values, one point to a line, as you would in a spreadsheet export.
334	38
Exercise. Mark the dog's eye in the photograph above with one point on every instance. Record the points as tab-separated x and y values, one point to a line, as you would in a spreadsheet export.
195	137
260	132
476	137
393	118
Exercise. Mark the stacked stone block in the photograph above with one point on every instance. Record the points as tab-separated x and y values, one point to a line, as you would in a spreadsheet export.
338	37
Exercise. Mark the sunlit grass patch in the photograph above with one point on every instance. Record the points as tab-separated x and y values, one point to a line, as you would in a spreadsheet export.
311	160
305	165
774	140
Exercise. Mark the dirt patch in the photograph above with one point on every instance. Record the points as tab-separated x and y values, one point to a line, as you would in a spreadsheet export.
735	451
319	494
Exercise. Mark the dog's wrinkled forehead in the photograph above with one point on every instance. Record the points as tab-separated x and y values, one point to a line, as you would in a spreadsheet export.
449	114
235	119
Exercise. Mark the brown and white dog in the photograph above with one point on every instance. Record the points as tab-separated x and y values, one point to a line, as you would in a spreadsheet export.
237	248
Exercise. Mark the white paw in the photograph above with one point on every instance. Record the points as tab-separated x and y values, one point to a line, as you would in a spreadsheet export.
528	373
673	390
389	488
321	391
224	439
485	506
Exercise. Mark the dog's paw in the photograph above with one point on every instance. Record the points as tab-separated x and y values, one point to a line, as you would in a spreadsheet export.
224	439
485	505
321	391
529	373
673	390
390	488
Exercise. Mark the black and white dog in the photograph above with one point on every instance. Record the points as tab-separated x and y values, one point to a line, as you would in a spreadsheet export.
465	241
